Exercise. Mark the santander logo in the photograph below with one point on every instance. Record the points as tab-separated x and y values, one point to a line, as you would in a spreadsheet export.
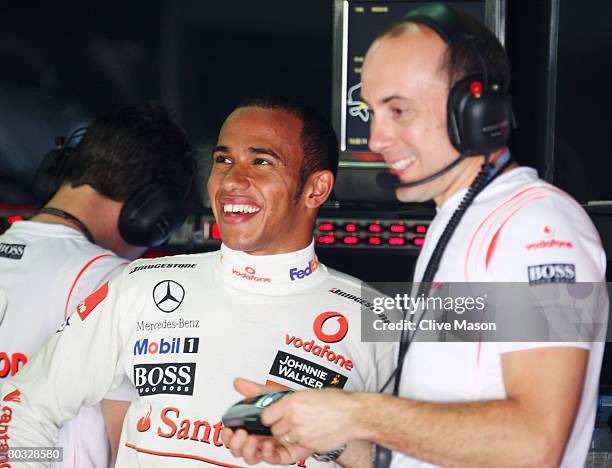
144	423
14	396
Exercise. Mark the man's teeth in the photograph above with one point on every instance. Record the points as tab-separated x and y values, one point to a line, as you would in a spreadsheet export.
240	208
403	163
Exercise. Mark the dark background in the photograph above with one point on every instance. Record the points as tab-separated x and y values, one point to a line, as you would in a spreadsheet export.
65	61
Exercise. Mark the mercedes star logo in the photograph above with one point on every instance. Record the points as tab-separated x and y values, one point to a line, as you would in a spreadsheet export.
168	295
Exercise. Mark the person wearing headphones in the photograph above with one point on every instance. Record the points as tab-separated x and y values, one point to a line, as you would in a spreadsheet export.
436	87
120	190
182	328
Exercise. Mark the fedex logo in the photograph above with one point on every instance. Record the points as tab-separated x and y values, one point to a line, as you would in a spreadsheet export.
171	346
303	273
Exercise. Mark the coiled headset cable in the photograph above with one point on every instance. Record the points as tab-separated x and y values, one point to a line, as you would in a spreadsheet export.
487	174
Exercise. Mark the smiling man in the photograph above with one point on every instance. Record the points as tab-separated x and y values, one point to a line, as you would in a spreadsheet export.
182	328
436	85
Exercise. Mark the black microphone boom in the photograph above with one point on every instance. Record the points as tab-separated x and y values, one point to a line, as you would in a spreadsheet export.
388	181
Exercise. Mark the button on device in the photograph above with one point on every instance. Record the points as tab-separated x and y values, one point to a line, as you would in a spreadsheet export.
350	227
375	227
418	241
420	229
374	240
326	227
398	228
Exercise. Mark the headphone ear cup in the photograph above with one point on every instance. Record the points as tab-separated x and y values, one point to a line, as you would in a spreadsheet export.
48	178
150	216
478	125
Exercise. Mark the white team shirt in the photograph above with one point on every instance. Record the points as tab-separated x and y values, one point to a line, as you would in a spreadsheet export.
517	222
182	328
45	271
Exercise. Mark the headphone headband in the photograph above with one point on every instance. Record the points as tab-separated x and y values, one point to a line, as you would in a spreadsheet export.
479	112
441	19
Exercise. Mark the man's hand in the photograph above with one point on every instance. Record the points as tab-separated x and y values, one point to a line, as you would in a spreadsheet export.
254	449
317	420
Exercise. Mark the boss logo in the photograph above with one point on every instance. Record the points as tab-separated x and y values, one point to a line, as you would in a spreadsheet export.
552	273
170	379
12	251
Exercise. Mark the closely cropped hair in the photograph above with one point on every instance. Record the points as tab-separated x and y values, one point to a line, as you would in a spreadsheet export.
318	139
462	59
127	148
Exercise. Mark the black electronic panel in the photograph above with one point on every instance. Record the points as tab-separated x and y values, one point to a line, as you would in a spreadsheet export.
582	136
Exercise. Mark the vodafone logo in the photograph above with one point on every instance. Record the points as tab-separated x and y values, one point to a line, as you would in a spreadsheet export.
249	274
322	327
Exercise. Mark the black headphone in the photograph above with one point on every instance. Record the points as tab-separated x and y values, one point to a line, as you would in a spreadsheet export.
148	217
480	114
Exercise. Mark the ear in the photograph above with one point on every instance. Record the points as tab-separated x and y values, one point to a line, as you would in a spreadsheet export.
318	187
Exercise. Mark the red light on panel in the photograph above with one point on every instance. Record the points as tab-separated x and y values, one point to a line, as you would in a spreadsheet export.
397	241
327	240
418	241
375	228
351	240
14	219
326	227
398	228
420	229
367	157
215	232
374	240
351	227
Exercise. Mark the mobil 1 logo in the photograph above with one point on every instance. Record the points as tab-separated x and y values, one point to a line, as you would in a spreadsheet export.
165	378
176	345
304	372
552	273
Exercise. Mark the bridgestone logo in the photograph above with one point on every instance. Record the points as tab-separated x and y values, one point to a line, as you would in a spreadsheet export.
12	251
352	297
162	265
361	301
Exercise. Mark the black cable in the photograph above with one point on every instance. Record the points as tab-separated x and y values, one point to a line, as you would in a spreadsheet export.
69	218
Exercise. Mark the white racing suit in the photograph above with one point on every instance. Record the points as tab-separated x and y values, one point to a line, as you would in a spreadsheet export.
181	329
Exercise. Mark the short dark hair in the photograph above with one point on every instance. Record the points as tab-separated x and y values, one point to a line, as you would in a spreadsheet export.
124	150
465	57
318	139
